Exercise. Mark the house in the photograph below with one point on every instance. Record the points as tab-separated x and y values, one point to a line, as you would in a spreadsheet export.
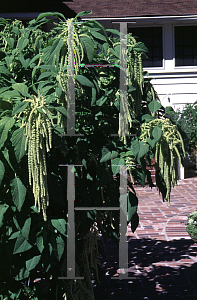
168	29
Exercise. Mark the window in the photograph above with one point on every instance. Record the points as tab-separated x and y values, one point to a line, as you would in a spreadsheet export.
152	38
185	46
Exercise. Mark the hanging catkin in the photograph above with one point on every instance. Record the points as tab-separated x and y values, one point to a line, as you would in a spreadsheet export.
166	151
37	120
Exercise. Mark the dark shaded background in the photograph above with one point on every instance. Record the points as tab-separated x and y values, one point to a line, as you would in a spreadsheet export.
22	6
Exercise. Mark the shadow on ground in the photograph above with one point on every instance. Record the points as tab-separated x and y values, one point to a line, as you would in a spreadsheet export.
158	270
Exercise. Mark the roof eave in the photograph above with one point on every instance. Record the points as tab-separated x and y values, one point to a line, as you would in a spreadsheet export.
147	18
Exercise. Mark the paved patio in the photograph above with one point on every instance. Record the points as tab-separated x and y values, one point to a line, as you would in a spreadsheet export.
161	255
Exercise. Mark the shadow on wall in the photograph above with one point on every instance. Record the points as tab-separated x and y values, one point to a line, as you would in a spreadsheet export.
22	6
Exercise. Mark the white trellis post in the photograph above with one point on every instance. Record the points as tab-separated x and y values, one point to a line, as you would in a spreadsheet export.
181	171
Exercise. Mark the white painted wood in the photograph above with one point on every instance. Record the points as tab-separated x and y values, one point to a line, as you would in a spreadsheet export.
167	48
181	171
164	89
175	80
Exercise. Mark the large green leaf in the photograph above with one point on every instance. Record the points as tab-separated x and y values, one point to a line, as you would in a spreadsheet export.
98	35
60	246
26	228
132	205
2	171
59	108
5	125
47	67
16	30
10	41
7	157
116	162
108	155
147	118
21	245
25	62
157	133
139	175
50	14
32	263
57	45
144	148
131	88
35	58
22	43
21	88
23	273
84	81
40	243
60	225
83	13
135	147
154	106
14	235
93	96
3	209
101	101
134	222
16	223
18	191
116	54
114	31
140	47
88	46
45	74
151	142
18	141
10	94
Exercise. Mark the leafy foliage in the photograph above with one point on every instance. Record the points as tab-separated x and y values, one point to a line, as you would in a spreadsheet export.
37	67
186	122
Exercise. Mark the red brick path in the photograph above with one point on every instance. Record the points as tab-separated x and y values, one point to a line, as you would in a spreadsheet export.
161	255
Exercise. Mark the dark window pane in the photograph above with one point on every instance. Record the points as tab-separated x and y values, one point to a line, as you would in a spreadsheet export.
185	45
179	62
149	31
179	40
157	51
188	61
158	43
189	40
195	51
179	52
187	51
152	38
147	63
157	30
147	41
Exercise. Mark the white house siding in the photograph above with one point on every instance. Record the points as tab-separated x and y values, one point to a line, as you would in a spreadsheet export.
176	86
176	90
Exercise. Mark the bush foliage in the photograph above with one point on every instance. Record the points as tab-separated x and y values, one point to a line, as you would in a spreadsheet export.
35	68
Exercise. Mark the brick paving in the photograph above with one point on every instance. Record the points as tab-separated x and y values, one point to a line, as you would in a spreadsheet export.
162	257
